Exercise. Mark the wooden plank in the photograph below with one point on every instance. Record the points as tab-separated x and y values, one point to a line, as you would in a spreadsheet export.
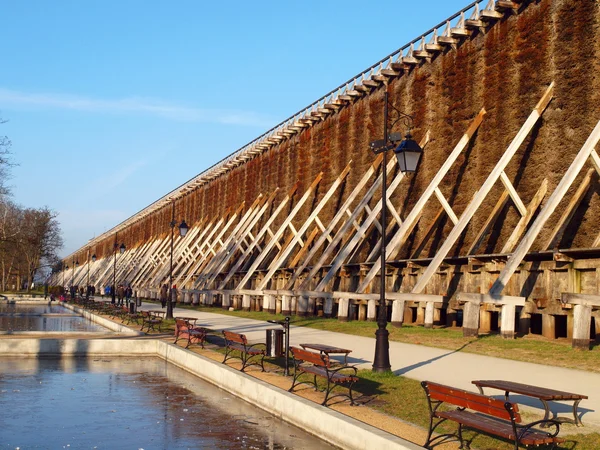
311	237
580	299
234	240
484	190
359	236
285	253
344	209
397	241
491	299
446	205
522	224
562	188
259	259
432	227
489	223
568	213
234	245
259	236
513	194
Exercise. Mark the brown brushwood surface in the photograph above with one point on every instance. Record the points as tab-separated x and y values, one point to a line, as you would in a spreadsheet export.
506	70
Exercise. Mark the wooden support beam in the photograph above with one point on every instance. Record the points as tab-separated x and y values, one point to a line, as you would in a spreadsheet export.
395	244
286	252
489	223
568	213
562	188
522	224
484	190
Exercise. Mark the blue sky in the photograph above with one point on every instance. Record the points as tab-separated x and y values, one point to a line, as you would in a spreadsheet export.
113	104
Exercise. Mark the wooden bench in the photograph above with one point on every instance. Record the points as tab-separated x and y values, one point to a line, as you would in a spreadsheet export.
248	353
150	321
318	365
194	335
543	394
485	414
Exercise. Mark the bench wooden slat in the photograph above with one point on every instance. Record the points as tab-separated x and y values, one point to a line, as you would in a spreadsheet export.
471	400
484	414
239	342
318	364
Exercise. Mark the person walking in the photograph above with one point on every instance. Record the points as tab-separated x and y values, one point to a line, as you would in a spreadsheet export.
120	294
164	292
174	295
128	300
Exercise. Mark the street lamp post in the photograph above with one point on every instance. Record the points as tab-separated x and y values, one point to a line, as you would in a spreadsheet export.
408	153
87	287
114	286
183	228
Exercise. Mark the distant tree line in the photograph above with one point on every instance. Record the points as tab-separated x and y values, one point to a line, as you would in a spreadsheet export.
29	237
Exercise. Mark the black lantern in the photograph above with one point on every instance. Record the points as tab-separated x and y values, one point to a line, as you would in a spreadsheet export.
183	228
408	153
94	257
122	248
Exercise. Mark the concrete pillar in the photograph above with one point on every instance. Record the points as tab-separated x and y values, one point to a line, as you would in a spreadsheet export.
246	302
485	321
302	306
507	321
269	303
226	300
372	310
294	309
195	299
343	309
429	307
277	305
209	298
362	312
398	312
286	305
328	307
186	298
582	322
548	326
471	319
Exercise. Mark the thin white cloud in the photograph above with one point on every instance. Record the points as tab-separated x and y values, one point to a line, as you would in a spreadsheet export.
132	105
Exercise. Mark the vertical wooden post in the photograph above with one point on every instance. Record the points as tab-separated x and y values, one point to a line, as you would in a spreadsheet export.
582	318
485	320
524	322
362	311
548	326
278	305
420	314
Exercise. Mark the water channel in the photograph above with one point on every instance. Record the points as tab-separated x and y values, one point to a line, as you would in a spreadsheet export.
43	317
125	403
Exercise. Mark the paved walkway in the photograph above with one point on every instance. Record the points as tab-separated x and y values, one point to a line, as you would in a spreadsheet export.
426	363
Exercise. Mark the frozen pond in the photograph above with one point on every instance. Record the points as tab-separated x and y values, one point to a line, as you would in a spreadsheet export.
122	403
16	317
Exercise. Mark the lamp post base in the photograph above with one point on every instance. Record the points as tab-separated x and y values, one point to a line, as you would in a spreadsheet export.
382	351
